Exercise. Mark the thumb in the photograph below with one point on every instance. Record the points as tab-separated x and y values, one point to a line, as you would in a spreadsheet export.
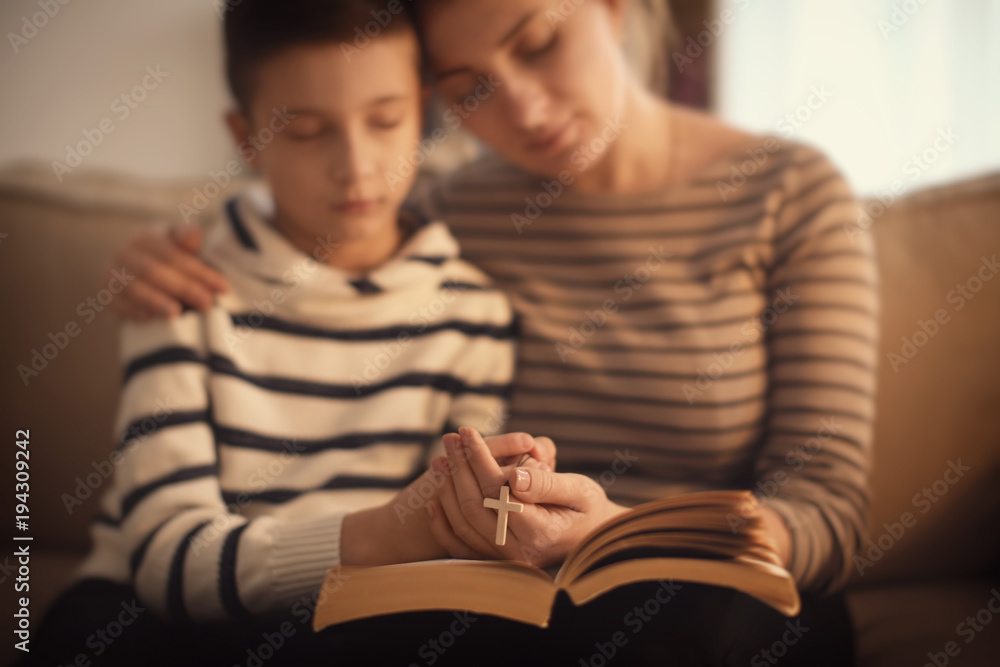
188	237
534	485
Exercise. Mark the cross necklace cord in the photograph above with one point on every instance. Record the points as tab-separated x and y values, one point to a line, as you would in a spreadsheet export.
503	505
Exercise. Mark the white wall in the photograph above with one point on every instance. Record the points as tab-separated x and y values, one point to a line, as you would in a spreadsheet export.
896	72
890	93
66	78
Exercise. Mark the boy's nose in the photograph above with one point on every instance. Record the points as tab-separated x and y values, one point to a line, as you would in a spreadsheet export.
351	161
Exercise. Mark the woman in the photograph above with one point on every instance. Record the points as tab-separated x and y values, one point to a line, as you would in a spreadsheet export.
693	313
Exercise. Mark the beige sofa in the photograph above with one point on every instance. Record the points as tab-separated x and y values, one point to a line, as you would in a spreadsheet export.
938	410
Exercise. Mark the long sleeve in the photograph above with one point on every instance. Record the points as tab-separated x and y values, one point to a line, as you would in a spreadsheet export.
192	556
820	330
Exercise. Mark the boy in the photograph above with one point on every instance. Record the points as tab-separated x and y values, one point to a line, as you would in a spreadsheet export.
309	396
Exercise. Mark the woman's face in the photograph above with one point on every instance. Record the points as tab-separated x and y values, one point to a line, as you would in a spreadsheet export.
554	73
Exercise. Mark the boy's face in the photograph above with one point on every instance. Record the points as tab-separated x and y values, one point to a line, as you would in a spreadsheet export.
334	167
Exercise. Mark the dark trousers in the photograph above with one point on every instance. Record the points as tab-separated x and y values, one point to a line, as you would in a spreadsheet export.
99	623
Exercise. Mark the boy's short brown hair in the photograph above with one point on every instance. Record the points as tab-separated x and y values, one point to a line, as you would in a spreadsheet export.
255	30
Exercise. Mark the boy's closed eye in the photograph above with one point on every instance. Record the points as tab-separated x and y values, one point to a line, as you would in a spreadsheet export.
304	128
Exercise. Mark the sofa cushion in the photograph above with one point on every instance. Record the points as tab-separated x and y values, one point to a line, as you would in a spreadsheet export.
937	436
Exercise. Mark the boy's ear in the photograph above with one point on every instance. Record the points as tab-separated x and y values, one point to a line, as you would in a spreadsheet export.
239	130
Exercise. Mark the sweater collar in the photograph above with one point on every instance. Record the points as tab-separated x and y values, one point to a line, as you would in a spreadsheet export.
246	243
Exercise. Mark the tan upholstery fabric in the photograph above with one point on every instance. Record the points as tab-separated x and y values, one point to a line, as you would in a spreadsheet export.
943	405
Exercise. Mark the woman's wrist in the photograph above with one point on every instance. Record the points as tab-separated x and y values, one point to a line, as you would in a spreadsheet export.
777	530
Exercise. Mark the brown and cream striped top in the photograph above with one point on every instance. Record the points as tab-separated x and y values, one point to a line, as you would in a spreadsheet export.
719	333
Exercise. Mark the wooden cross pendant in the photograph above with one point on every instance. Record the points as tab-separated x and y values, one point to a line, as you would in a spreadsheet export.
502	506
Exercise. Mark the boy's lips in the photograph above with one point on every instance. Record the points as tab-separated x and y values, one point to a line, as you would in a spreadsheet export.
356	206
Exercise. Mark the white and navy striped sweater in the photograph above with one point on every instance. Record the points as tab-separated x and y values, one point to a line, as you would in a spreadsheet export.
251	430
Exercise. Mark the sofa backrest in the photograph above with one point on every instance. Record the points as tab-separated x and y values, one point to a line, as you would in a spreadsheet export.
938	409
59	360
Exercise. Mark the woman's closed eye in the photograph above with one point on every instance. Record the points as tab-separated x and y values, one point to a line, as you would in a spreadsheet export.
385	122
536	48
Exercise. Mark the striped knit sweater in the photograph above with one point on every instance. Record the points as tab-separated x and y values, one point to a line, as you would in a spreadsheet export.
249	431
720	333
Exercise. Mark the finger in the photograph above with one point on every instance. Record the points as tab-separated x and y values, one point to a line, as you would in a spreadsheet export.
188	237
479	460
544	450
445	536
195	269
508	447
468	492
458	521
183	255
153	300
165	276
533	485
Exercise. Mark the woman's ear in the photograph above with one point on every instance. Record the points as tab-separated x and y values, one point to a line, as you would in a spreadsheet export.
239	130
617	12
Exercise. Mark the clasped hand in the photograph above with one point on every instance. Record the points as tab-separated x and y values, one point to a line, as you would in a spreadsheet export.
559	508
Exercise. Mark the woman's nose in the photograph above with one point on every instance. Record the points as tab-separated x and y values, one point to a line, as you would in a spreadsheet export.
526	101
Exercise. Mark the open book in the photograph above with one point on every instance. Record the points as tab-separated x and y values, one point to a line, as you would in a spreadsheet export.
710	537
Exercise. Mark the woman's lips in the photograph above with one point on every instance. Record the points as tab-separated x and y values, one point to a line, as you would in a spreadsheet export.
555	141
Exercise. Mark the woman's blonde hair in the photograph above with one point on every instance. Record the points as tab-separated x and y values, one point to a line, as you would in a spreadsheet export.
650	35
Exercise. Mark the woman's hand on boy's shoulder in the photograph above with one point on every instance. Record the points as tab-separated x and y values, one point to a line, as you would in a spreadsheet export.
166	272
